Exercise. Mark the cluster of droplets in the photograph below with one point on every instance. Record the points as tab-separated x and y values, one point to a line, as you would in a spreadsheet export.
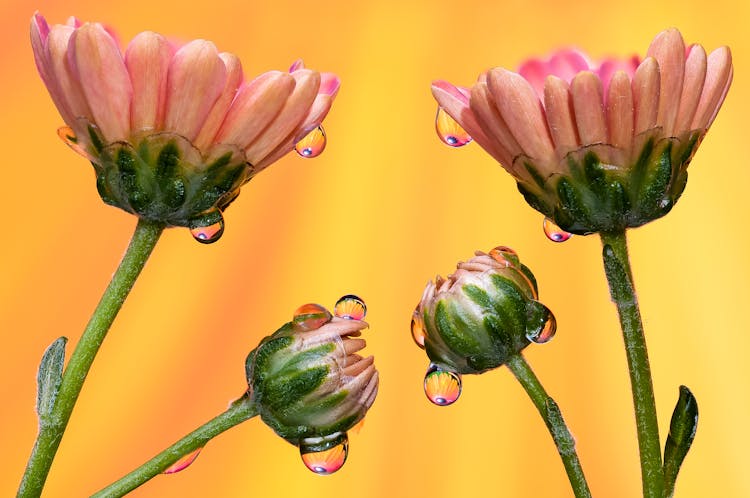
311	317
449	131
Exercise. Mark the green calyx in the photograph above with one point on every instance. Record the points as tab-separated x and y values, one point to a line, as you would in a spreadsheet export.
592	196
162	177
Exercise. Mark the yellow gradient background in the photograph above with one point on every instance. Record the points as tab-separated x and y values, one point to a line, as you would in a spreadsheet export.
382	210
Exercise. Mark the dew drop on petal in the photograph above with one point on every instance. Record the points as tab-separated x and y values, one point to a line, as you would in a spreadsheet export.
68	136
208	234
350	307
310	316
449	131
554	232
183	462
327	461
312	144
442	387
546	332
417	328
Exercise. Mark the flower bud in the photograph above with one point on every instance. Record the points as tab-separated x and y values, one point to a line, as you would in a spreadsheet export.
308	381
482	314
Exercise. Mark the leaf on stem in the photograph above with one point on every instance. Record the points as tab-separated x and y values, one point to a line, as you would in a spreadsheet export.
681	434
49	376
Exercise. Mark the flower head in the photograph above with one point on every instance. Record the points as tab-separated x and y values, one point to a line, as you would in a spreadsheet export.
172	131
309	382
597	147
483	313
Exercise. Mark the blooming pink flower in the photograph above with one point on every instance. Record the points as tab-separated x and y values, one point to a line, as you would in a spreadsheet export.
555	118
190	96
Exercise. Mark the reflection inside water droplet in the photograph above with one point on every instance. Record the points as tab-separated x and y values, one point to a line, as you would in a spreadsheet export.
442	387
503	255
183	462
327	461
554	232
547	330
311	316
350	307
208	234
417	328
312	144
67	135
449	131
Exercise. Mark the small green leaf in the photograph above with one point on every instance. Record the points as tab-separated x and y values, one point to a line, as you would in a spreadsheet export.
681	434
49	376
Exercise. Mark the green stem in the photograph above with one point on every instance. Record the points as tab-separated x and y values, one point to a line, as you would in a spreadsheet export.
550	412
622	290
51	429
241	410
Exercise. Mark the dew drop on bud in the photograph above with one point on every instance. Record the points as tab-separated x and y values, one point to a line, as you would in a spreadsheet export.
554	232
547	330
183	462
417	328
312	144
310	316
68	136
350	307
449	131
327	461
442	387
208	234
503	255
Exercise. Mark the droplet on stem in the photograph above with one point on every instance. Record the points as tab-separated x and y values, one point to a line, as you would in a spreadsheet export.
310	316
442	387
449	131
325	462
312	144
350	307
183	462
554	232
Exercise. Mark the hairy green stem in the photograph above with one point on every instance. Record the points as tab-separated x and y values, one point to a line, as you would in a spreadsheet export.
622	290
51	428
241	410
550	412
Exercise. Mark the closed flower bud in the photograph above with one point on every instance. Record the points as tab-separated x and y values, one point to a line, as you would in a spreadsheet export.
308	381
482	314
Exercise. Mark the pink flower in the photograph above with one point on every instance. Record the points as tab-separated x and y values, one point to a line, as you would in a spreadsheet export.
191	96
542	122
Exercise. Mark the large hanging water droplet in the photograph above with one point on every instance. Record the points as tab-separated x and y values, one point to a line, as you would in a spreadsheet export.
504	255
554	232
417	328
442	387
546	332
207	228
312	144
327	461
449	131
310	316
68	136
350	307
183	462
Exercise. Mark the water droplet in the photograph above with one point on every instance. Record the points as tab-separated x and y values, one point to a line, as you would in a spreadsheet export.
554	232
442	387
312	144
449	131
350	307
327	461
503	255
68	136
311	316
183	462
417	328
208	234
546	332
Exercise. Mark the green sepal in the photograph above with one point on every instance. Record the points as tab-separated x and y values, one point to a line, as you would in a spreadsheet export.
681	434
49	377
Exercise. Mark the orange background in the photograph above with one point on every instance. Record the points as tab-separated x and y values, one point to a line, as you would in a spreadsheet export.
382	210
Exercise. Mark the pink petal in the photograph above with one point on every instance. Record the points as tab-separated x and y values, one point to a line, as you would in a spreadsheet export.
718	79
558	105
620	111
610	66
646	95
520	108
39	36
499	141
295	109
219	111
535	72
97	61
695	76
669	51
588	104
565	64
72	103
196	78
329	84
298	64
147	60
256	104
